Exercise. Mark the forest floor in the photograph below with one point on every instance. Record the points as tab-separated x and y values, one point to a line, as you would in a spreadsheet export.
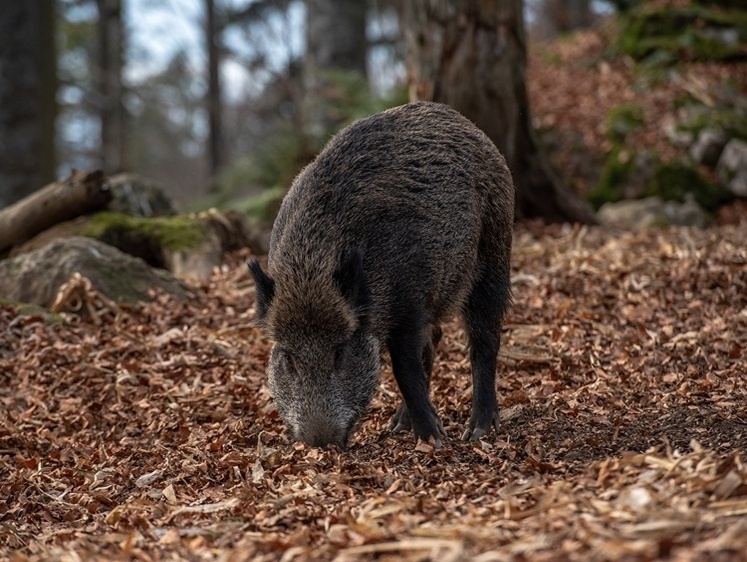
575	83
147	432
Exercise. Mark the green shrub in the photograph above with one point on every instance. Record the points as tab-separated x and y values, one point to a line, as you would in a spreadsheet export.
623	120
671	34
677	181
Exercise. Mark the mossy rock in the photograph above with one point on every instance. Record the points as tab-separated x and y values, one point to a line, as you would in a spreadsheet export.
692	33
145	238
678	181
731	120
35	277
629	174
22	309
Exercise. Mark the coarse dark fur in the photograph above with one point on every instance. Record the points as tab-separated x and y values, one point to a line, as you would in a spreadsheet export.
403	220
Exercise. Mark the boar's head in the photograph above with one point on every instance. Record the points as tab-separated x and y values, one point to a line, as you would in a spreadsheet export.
324	365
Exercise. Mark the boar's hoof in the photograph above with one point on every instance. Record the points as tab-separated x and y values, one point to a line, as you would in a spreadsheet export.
429	427
477	428
401	419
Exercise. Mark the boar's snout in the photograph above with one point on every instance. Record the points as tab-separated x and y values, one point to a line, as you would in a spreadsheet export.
320	431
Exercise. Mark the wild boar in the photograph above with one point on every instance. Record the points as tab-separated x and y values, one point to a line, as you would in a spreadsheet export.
402	221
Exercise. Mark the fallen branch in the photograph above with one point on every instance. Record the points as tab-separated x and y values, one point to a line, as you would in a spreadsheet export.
81	193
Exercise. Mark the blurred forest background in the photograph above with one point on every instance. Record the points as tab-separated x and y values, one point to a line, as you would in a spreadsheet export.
222	101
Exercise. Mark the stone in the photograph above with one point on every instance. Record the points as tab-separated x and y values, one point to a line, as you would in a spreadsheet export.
738	184
708	146
36	277
138	196
732	167
652	211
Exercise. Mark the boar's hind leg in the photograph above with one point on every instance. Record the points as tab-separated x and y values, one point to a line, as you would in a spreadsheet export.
408	358
483	314
401	418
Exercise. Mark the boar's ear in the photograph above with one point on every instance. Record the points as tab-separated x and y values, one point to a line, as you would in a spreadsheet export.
264	290
349	277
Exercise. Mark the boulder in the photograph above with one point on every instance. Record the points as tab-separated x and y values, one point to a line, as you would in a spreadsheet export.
732	166
36	277
138	196
708	146
652	211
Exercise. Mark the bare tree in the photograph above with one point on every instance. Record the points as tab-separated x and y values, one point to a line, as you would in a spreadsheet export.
335	41
472	56
214	96
28	87
109	87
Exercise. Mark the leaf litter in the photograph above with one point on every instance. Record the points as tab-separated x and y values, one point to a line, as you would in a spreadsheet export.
147	432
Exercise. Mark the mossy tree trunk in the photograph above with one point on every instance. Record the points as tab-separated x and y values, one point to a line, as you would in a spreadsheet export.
472	56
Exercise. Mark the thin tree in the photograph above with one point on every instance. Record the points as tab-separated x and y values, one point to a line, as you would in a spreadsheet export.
335	43
472	56
214	100
28	88
109	86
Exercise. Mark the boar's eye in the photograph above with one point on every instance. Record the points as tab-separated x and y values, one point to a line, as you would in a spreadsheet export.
288	359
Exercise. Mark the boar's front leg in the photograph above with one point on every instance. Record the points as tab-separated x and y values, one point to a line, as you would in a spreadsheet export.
408	358
401	418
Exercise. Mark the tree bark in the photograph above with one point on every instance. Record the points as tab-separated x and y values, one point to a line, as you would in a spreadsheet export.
214	96
472	56
335	42
28	89
81	193
110	90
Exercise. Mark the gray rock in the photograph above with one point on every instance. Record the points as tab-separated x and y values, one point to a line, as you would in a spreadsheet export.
677	136
729	36
652	211
708	146
738	184
732	166
37	276
139	197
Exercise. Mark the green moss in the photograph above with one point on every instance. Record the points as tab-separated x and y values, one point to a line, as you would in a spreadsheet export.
615	174
731	120
29	309
623	120
173	233
667	35
676	181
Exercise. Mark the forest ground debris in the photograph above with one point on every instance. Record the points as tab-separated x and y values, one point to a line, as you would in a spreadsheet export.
623	427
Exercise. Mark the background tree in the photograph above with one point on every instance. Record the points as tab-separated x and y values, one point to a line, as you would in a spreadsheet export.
109	97
335	45
551	18
214	100
27	98
472	56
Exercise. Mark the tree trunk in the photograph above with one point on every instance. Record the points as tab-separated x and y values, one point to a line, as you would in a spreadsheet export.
81	193
335	42
28	88
214	101
110	90
472	56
